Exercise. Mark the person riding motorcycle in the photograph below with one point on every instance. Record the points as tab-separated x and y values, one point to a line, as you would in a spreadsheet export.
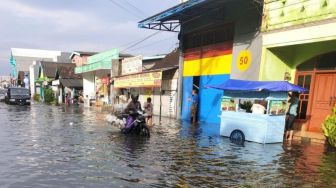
132	108
134	105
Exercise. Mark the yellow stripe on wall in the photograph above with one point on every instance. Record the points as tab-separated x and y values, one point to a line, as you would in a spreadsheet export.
208	66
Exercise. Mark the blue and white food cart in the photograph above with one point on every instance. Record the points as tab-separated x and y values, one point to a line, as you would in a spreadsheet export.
267	127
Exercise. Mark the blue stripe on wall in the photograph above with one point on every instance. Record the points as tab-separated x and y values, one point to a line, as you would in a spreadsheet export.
186	105
209	107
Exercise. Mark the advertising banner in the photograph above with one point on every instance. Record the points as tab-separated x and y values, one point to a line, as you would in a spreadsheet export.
131	65
150	79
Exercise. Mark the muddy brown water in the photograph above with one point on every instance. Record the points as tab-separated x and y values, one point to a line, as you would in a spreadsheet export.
48	146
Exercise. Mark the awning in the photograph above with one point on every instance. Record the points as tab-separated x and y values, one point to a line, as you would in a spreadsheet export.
101	61
148	79
244	85
169	20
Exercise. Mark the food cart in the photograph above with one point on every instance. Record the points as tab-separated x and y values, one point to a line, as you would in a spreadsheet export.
267	127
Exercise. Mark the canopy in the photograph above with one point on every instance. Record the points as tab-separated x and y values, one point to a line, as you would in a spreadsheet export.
244	85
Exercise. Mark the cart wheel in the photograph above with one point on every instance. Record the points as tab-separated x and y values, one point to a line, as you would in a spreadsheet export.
237	137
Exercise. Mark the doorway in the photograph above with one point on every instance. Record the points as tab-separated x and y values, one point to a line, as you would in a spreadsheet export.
319	76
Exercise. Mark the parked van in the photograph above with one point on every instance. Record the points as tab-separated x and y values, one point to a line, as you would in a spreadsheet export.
18	95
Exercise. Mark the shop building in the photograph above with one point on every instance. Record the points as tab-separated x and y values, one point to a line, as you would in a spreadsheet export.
213	35
299	43
97	74
67	82
80	58
46	75
159	82
289	40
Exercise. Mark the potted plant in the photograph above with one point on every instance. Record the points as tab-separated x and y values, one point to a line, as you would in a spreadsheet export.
329	128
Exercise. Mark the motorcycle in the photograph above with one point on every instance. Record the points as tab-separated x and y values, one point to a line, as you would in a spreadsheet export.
132	123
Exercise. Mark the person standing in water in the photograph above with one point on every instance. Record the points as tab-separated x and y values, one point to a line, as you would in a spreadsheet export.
194	106
291	115
148	107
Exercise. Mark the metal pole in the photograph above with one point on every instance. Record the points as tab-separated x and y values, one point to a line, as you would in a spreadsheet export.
160	102
179	86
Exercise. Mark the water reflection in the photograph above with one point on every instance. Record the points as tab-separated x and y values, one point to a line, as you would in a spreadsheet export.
56	146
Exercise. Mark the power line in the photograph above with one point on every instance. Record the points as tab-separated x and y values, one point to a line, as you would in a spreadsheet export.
135	8
153	43
124	8
135	44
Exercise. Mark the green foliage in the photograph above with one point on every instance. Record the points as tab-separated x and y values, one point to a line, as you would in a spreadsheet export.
37	97
329	127
49	96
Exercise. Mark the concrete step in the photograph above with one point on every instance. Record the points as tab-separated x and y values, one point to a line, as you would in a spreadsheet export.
309	137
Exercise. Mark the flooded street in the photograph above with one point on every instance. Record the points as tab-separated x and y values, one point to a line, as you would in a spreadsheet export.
48	146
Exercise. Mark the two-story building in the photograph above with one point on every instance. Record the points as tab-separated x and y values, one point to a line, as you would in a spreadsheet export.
290	40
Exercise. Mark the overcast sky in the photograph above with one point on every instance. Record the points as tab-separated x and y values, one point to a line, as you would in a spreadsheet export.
86	25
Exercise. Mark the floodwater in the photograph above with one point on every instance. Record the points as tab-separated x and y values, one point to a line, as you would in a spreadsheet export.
48	146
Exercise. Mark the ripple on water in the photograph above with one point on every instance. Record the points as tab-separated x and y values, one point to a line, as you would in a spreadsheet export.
40	147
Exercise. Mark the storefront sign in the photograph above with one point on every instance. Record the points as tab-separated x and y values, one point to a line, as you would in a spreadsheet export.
103	65
151	79
131	65
244	60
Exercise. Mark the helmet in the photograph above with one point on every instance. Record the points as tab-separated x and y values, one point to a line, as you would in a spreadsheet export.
135	97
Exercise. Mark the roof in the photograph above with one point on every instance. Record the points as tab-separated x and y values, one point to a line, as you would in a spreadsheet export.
64	57
67	71
23	63
50	68
81	53
170	61
72	83
245	85
153	57
170	19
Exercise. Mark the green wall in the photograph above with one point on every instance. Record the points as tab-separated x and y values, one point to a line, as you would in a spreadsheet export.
284	13
277	61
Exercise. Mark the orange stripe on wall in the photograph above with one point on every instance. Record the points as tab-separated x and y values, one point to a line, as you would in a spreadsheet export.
208	51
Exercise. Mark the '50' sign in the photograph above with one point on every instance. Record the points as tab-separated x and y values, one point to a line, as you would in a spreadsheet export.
244	60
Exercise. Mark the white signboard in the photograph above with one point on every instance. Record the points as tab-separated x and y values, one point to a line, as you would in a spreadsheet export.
131	65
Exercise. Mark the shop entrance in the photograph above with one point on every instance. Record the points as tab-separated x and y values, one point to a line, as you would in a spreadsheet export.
319	76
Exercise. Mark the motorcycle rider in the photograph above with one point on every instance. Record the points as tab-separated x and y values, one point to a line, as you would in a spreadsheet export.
133	107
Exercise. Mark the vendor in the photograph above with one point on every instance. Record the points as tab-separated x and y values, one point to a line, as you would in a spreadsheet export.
258	107
291	114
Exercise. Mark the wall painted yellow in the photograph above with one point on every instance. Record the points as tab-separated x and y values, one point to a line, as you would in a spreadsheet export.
208	66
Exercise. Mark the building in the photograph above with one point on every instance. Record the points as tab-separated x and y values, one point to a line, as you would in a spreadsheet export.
97	72
210	42
80	58
67	82
290	40
159	82
48	72
299	41
24	64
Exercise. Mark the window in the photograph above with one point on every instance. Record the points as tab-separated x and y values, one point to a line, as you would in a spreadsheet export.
303	80
208	36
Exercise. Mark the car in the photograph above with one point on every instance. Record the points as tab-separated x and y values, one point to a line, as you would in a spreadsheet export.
18	95
3	93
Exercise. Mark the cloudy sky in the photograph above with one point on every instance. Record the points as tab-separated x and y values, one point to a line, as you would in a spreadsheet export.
86	25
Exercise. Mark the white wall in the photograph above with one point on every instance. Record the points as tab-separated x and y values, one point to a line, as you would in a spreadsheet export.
89	85
32	78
